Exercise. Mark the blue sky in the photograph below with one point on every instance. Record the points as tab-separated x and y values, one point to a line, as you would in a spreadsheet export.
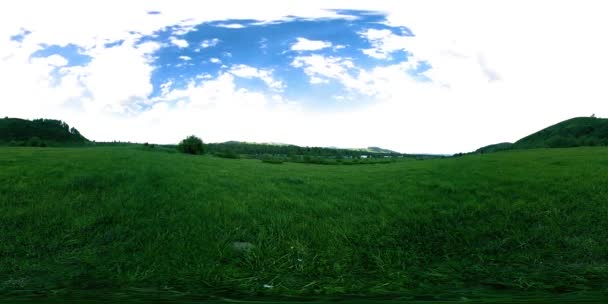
210	49
428	77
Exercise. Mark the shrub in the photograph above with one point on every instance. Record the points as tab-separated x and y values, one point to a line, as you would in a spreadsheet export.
272	160
275	161
227	154
34	142
191	145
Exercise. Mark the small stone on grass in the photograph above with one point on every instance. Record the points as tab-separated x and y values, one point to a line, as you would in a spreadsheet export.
242	246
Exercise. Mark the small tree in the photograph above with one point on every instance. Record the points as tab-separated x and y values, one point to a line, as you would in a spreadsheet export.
74	131
34	142
191	145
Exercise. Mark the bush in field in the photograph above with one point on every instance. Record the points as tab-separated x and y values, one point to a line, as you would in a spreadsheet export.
269	159
276	161
227	154
191	145
35	141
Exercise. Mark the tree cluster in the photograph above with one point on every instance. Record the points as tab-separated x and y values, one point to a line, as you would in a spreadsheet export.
191	145
38	132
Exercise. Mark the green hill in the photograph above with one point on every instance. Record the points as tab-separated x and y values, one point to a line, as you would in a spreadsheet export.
377	150
495	147
575	132
38	132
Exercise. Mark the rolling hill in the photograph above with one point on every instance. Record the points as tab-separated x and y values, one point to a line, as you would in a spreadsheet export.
377	150
575	132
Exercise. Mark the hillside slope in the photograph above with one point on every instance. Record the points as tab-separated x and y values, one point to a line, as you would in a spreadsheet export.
17	131
575	132
495	147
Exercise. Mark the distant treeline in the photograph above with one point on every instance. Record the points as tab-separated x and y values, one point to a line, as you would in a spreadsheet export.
278	154
38	133
319	160
52	132
254	149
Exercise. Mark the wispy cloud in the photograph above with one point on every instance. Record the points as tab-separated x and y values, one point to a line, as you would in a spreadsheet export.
181	43
304	44
207	43
384	42
231	25
265	75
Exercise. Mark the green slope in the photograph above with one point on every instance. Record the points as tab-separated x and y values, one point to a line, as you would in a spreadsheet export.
112	219
495	148
575	132
17	131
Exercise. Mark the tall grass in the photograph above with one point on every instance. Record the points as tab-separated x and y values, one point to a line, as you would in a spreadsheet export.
115	218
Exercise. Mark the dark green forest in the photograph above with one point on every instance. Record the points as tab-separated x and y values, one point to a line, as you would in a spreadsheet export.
38	133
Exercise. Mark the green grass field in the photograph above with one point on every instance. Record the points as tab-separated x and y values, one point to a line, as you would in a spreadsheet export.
121	218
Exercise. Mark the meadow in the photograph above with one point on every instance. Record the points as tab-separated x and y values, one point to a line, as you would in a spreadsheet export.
126	219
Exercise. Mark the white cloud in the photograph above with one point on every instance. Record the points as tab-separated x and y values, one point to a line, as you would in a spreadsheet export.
181	43
118	76
184	29
304	44
219	104
383	42
207	43
264	44
246	71
318	80
185	58
320	69
53	60
215	60
231	25
166	87
319	65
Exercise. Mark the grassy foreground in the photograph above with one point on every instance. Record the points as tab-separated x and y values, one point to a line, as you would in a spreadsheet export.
122	218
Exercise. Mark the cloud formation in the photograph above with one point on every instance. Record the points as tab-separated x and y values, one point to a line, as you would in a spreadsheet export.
304	44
